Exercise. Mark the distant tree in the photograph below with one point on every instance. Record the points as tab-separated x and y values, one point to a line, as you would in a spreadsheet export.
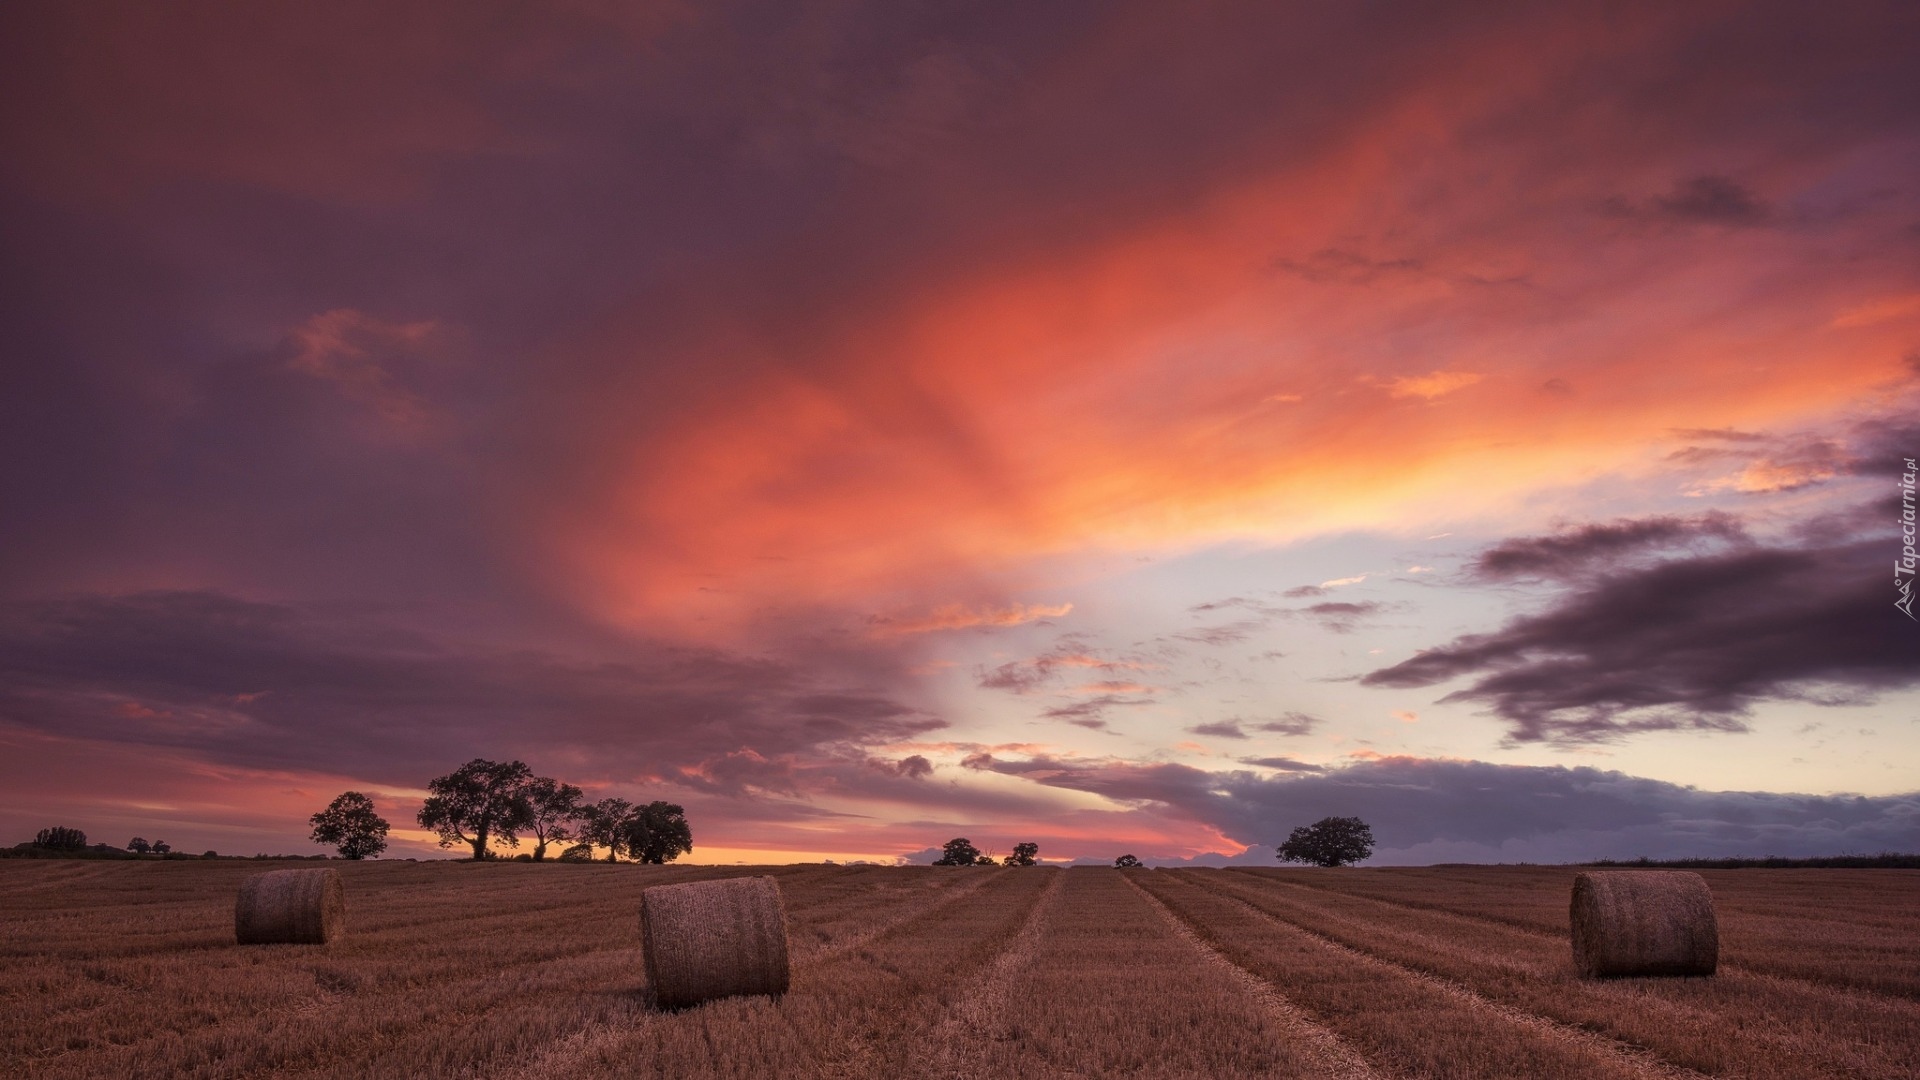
161	847
1023	855
60	838
350	824
555	808
209	854
1334	841
1125	862
139	846
958	851
578	853
658	833
478	803
986	860
604	824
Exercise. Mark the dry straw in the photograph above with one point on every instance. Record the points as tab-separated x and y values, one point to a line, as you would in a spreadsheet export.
713	939
302	907
1644	922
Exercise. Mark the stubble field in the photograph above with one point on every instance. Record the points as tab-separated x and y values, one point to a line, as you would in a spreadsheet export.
516	970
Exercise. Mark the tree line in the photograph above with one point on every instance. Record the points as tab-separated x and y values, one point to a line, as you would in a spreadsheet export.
483	803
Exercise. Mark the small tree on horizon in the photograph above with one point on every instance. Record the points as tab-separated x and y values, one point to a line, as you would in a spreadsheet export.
478	803
958	851
1333	841
352	826
1125	862
1023	855
658	833
161	847
139	846
554	809
60	838
604	825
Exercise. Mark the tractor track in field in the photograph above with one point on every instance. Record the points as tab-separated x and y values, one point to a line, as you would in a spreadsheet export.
981	1010
1634	1059
1333	1058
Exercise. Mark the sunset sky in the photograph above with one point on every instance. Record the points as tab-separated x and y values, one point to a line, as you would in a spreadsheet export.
1126	427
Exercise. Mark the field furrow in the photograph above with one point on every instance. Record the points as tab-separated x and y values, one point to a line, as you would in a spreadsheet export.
1408	1025
1784	1025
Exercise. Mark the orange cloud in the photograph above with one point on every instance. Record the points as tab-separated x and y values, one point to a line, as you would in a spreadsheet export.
1432	385
961	616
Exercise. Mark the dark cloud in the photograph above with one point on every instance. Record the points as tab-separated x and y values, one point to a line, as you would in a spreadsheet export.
1701	200
1301	592
1291	723
1283	764
1224	634
1715	200
1090	713
1424	810
1338	266
1343	617
913	767
1689	642
1017	676
1223	729
1599	547
299	688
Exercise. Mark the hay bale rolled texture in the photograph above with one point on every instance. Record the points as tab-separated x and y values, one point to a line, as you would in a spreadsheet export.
302	907
713	939
1644	922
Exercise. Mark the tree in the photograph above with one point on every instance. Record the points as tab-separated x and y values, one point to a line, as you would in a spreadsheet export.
604	825
555	807
161	847
578	853
139	846
958	851
60	838
350	824
478	803
1023	854
1334	841
1126	862
658	833
986	860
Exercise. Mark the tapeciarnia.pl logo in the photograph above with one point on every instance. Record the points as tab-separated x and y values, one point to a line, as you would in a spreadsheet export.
1903	566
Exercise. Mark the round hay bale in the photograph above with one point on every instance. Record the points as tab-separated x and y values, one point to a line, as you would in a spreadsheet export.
1643	922
713	939
301	907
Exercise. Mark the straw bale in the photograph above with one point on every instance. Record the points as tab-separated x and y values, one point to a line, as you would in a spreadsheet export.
1643	922
713	939
304	907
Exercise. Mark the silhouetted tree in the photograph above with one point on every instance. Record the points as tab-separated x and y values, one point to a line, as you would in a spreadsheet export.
658	833
1023	855
578	853
350	824
139	846
161	847
60	838
478	803
1125	862
555	807
958	851
604	825
1334	841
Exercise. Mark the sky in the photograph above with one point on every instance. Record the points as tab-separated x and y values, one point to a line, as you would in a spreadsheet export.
1125	428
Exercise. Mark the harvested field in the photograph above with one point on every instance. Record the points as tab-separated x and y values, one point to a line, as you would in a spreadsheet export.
515	970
